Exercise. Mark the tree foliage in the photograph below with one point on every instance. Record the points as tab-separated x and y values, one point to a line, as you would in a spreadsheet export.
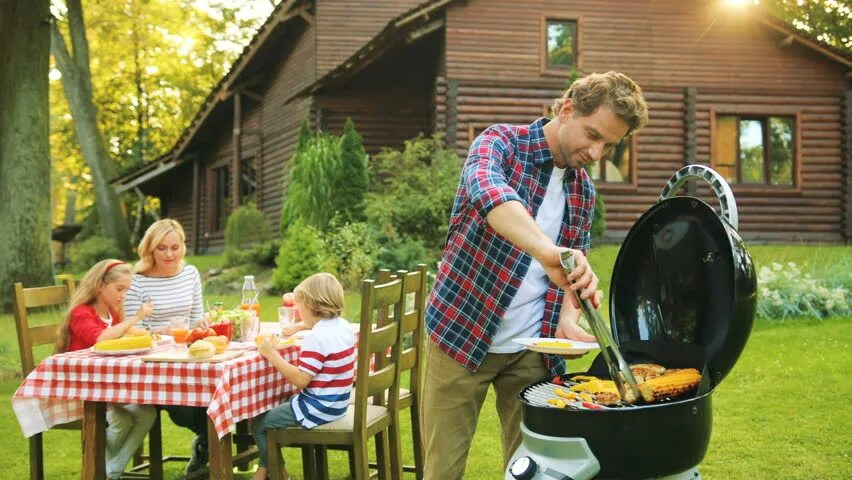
829	21
153	62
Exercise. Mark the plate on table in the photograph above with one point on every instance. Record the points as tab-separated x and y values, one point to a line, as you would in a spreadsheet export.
115	353
558	346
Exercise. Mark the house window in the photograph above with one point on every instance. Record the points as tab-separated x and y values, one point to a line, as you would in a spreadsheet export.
755	150
616	166
248	180
560	44
221	196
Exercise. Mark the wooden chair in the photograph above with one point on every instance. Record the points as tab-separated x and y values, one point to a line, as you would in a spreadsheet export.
413	328
364	419
411	353
33	336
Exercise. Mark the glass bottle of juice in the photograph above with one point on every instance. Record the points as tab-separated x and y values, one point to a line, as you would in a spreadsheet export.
250	296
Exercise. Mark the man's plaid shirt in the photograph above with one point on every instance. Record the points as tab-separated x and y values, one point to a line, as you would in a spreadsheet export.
481	271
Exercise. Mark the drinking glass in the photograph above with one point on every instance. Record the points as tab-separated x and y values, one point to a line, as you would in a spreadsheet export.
286	317
180	328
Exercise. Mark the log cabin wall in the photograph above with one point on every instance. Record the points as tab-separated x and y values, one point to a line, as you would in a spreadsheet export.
344	26
268	134
494	74
391	101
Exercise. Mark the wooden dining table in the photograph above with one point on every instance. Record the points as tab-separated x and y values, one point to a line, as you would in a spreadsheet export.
74	385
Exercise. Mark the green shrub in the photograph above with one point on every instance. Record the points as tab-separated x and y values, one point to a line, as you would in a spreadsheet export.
412	191
246	227
91	251
298	257
403	254
349	252
786	292
309	189
598	218
352	179
262	254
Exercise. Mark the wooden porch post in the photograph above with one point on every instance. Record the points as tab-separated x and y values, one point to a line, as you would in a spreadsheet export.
847	134
235	163
690	125
196	185
452	112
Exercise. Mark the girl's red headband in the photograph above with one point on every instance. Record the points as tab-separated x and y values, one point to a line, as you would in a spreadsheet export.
113	264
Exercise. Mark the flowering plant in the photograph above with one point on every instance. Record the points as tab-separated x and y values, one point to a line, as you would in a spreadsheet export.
787	292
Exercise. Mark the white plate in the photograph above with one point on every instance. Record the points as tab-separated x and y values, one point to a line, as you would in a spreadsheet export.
571	347
113	353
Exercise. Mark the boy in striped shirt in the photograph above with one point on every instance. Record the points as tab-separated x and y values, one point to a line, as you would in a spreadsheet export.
326	368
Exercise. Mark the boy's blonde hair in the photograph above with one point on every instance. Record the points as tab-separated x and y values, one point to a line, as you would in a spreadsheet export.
613	90
101	274
322	294
153	237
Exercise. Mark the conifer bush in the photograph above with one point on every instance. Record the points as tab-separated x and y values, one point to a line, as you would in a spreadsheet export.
246	227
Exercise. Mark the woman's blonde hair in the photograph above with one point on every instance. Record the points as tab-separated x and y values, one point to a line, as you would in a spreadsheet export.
153	237
101	274
614	90
322	294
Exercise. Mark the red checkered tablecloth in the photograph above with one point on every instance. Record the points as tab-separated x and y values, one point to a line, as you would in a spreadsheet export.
231	391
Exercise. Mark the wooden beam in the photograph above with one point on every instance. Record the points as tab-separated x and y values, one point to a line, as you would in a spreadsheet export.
237	147
690	125
196	207
847	132
452	112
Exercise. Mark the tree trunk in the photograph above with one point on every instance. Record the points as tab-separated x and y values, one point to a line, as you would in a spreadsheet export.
77	85
24	145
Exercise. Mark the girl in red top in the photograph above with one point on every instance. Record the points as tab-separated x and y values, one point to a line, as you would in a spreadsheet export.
95	314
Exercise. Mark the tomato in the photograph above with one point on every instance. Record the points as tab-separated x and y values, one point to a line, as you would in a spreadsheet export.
210	333
287	300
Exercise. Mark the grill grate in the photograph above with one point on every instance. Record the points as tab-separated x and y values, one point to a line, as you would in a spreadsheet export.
538	396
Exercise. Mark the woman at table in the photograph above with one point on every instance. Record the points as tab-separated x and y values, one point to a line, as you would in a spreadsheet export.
162	278
94	315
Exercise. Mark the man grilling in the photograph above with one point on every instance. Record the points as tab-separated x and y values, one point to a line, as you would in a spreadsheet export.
523	198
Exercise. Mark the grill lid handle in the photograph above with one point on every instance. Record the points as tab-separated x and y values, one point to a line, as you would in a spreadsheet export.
717	183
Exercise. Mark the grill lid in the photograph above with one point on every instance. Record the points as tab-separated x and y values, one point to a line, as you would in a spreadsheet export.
683	275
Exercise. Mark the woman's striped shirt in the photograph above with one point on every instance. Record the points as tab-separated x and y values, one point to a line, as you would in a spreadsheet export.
179	295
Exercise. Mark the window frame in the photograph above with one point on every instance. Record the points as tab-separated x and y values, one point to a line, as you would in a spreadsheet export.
544	65
633	184
763	116
215	198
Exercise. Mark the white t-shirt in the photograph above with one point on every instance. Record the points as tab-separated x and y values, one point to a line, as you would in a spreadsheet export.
525	312
179	295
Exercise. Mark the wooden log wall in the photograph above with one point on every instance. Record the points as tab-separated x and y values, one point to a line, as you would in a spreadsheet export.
689	57
269	133
344	26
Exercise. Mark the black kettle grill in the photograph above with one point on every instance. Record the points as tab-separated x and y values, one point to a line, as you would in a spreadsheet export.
683	294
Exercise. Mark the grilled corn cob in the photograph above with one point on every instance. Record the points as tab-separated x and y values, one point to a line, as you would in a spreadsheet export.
671	384
125	343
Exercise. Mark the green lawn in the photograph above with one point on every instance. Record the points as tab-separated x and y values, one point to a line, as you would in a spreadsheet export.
782	412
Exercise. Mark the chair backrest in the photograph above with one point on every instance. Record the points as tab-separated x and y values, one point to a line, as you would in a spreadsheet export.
413	327
382	382
29	337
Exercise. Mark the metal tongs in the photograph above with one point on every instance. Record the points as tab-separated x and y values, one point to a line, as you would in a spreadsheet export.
619	371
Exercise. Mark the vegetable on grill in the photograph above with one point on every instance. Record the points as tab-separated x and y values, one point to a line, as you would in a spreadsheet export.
125	343
671	384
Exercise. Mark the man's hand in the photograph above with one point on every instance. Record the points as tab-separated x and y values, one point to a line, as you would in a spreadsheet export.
581	279
569	328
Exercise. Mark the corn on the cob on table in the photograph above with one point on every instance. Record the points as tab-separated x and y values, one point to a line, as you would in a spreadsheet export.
671	384
125	343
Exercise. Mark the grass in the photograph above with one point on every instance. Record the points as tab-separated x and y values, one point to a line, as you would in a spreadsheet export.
781	413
